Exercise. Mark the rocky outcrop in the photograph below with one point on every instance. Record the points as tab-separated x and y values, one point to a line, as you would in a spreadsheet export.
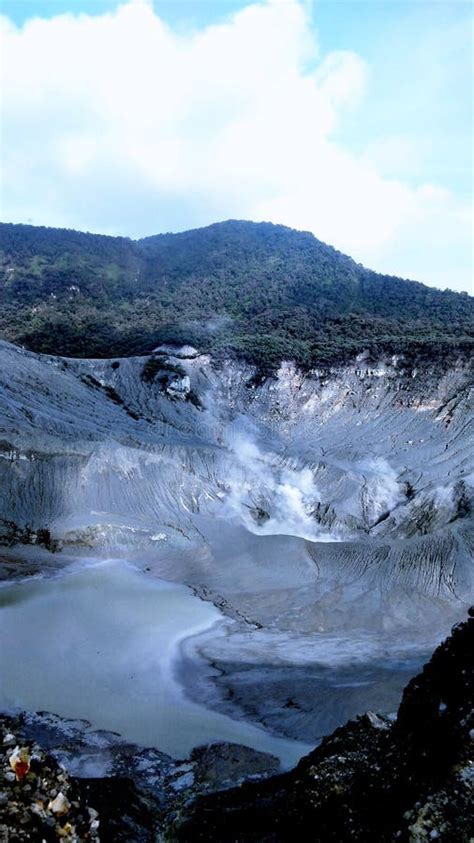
373	779
61	780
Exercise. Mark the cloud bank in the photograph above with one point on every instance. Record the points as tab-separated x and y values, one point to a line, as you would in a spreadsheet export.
115	123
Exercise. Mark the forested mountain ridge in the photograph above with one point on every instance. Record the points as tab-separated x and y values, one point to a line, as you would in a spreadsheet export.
256	290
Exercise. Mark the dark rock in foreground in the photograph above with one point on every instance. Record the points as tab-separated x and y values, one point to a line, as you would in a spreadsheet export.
42	802
371	780
128	802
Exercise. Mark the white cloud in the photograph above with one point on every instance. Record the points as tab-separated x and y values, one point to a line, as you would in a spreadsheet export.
115	123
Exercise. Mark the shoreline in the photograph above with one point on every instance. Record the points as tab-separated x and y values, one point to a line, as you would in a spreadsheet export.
199	724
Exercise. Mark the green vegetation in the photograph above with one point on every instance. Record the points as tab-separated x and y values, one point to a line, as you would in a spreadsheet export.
156	367
257	291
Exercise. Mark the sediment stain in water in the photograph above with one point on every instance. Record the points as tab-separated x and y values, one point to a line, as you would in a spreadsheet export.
101	643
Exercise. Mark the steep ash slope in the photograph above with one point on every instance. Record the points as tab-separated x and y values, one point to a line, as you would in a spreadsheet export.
324	513
356	453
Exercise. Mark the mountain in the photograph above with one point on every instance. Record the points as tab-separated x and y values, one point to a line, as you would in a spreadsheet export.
258	291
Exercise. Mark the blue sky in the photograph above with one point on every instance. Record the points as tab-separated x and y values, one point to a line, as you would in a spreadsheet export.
386	153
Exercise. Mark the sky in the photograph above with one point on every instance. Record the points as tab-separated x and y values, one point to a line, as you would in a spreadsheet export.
348	118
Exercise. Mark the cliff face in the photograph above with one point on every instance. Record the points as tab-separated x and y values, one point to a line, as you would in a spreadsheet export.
371	466
372	779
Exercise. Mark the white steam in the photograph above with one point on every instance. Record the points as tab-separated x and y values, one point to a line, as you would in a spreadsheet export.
382	490
269	496
274	495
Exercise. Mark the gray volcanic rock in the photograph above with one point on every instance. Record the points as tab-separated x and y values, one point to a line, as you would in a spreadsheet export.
220	765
